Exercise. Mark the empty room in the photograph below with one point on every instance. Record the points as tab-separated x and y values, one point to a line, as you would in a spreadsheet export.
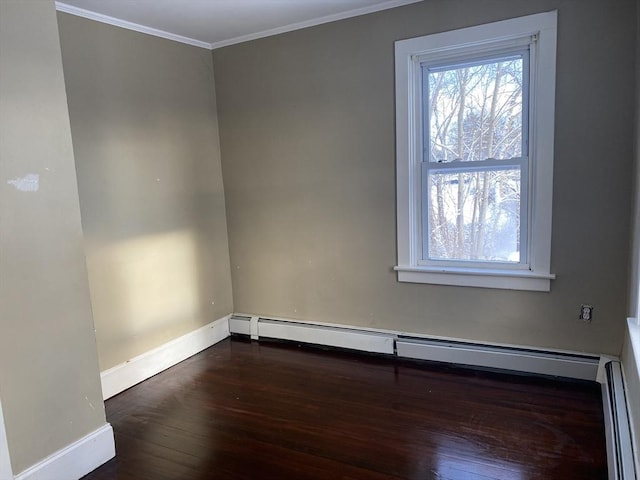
313	239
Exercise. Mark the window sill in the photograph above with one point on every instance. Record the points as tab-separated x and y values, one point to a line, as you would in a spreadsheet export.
466	277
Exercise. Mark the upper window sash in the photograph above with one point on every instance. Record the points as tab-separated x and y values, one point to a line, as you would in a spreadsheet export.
500	54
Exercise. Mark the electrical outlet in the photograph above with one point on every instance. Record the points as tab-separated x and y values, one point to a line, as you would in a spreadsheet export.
586	313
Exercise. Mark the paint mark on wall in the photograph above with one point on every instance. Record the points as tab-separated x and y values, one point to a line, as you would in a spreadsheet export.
29	183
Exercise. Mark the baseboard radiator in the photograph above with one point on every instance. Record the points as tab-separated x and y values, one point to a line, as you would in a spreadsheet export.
518	359
618	430
332	336
584	367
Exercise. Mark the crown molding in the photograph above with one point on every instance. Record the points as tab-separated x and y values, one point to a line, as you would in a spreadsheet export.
98	17
313	22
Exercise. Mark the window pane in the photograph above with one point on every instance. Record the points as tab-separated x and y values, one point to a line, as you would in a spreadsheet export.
474	112
473	216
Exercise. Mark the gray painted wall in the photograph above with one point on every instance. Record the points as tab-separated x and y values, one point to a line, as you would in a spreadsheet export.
49	377
634	275
307	138
145	135
631	355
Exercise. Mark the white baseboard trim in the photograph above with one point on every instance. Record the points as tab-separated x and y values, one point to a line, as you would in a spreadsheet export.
75	460
6	473
142	367
457	351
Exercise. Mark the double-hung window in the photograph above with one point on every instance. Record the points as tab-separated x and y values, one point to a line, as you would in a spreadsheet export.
474	136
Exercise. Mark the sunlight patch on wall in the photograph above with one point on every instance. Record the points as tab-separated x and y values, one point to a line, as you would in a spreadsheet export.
145	283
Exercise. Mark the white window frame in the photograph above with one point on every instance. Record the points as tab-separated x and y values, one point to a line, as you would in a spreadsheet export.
539	31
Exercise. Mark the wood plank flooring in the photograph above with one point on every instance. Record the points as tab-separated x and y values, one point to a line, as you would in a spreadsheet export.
248	410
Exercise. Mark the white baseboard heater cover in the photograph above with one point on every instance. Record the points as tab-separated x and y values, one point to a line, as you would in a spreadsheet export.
618	430
315	334
240	325
569	365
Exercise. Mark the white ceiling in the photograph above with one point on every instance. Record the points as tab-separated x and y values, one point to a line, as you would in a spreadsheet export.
216	23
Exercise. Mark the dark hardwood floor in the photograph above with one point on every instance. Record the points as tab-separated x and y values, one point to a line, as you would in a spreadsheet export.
243	410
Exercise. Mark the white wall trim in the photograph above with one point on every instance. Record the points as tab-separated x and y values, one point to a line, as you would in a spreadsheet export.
98	17
75	460
521	358
632	402
5	461
313	22
138	369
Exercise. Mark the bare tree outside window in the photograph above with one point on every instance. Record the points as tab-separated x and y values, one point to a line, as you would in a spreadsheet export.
473	133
